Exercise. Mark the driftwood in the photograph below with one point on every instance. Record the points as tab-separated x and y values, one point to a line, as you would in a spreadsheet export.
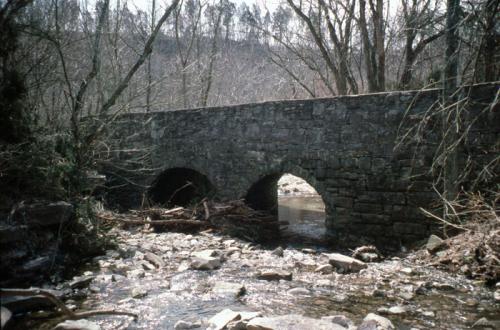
68	313
234	217
165	224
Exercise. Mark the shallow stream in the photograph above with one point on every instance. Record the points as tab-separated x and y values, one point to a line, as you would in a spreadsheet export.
425	298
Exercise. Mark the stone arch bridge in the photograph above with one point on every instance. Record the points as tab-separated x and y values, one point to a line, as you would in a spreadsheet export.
345	147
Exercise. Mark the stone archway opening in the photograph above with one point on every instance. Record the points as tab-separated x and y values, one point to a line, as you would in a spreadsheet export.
294	201
180	187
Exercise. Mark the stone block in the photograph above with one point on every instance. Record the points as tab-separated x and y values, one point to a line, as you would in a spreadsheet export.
409	228
367	207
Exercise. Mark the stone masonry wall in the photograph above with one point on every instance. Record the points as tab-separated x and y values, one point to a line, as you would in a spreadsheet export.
344	147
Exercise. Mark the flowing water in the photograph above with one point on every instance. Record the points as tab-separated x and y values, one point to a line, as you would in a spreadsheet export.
427	298
306	218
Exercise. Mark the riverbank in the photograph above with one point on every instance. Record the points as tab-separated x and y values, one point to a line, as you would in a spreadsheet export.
156	276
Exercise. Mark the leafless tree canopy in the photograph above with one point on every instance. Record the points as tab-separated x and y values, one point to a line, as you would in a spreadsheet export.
67	60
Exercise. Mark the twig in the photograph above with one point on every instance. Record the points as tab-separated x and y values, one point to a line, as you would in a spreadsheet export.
442	220
164	223
207	212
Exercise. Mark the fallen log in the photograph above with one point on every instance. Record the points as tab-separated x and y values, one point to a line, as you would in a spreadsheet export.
163	223
68	313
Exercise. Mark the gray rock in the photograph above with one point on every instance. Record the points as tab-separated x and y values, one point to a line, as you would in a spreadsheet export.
77	325
429	314
406	295
278	251
345	263
185	325
324	269
275	275
368	257
136	273
154	259
227	288
367	253
237	325
247	316
139	293
221	319
496	296
407	271
5	316
434	243
80	282
41	264
443	286
340	320
42	214
376	322
484	323
146	265
207	263
291	322
299	292
393	310
206	254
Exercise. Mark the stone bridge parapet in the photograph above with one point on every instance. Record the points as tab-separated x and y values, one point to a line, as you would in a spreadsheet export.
345	147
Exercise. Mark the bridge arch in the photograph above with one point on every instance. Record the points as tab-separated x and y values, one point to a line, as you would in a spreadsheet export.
263	194
180	186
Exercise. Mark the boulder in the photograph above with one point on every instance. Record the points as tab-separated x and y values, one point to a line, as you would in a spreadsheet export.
340	320
393	310
237	325
41	264
139	293
344	263
324	269
299	292
376	322
208	263
5	316
42	214
206	260
434	244
278	251
291	322
77	325
154	259
80	282
221	319
275	275
227	288
367	253
185	325
484	323
136	273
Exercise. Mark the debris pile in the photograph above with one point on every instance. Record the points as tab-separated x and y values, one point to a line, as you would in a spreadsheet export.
234	218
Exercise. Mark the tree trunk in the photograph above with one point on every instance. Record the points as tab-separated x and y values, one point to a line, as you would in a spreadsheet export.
450	117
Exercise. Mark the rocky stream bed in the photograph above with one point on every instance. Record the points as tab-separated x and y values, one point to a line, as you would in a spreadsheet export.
184	280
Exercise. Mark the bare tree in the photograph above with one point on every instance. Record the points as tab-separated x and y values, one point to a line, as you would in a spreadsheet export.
339	27
419	19
374	43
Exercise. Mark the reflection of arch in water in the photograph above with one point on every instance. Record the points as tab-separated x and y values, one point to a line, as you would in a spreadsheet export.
180	186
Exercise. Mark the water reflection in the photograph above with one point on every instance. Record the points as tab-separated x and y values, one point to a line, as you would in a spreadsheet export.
305	215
